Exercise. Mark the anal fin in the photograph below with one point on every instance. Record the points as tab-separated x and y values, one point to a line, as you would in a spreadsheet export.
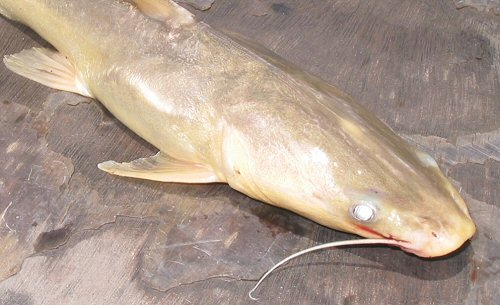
161	167
47	67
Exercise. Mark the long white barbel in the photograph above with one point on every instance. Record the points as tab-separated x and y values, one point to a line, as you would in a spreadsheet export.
319	247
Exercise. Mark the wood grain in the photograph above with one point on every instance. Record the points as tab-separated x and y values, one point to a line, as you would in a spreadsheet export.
70	234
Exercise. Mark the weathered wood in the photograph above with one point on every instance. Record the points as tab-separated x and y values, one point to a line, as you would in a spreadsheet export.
71	234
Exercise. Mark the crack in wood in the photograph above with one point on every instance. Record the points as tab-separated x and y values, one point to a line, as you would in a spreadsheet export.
228	278
472	148
3	218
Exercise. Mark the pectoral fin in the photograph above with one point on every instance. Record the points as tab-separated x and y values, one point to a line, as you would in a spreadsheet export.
162	168
47	67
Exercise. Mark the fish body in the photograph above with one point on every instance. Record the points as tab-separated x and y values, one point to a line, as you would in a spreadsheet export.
222	109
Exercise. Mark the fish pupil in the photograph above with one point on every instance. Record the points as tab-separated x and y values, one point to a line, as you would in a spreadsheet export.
363	212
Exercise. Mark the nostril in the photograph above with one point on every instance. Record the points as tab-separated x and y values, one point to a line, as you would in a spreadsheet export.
424	219
434	234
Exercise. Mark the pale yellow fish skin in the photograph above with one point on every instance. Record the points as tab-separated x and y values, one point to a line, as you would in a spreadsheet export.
263	126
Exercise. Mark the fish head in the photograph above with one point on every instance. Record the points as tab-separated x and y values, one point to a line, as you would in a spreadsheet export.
356	176
425	222
388	189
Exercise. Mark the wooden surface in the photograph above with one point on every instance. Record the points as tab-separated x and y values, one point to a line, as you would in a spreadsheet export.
71	234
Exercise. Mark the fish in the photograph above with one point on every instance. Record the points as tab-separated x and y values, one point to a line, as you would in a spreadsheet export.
223	109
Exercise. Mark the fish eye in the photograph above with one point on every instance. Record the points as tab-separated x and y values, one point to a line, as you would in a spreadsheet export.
363	212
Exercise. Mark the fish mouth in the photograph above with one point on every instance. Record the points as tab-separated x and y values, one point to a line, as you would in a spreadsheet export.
404	245
420	245
376	234
415	251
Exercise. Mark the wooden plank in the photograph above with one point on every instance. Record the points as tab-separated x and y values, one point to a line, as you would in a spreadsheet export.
71	234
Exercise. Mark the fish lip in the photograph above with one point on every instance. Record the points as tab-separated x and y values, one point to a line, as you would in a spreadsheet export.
380	235
404	245
415	251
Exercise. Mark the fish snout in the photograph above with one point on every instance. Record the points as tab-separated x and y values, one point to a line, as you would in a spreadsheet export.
434	243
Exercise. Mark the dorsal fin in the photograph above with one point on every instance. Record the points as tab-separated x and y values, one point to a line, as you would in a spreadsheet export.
166	11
